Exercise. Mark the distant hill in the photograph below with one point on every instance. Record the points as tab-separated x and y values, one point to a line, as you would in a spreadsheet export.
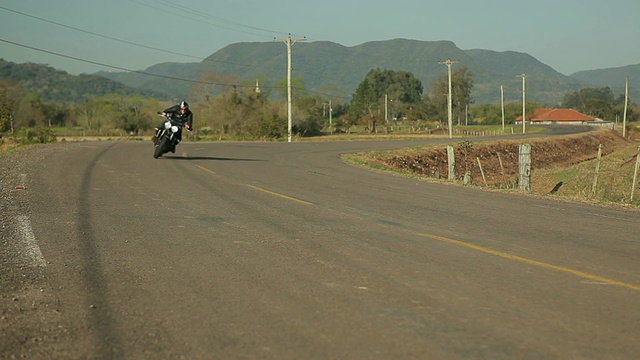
614	78
55	85
328	67
334	69
139	80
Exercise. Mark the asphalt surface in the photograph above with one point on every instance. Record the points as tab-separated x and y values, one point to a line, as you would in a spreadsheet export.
282	251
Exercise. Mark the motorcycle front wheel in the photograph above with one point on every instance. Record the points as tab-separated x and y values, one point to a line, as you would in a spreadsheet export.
160	148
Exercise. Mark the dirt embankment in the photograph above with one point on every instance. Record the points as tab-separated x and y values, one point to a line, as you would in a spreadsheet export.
499	160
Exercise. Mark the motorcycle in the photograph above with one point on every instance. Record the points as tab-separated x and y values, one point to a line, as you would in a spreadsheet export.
167	138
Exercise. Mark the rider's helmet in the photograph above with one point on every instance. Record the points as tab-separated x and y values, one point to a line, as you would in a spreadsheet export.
184	105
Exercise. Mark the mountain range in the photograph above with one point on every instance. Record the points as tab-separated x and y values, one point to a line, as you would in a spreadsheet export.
331	68
334	70
59	86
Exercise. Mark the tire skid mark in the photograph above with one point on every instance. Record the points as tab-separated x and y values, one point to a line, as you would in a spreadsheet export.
109	345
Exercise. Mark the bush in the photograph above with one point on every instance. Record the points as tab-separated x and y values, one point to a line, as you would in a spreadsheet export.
267	126
39	135
308	127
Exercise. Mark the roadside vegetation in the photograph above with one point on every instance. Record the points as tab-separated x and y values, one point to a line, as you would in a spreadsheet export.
565	168
386	102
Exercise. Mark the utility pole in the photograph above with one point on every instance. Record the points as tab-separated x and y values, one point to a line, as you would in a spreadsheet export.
466	115
324	111
448	62
330	111
386	118
502	105
289	42
524	112
624	116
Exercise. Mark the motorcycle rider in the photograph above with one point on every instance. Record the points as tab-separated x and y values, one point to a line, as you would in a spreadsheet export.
180	113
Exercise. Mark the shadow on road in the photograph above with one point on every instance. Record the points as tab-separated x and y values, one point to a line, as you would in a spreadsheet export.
207	158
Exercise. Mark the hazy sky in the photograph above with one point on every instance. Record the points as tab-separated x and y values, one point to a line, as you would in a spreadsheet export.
568	35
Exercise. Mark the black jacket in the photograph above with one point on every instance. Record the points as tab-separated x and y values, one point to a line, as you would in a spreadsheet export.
186	118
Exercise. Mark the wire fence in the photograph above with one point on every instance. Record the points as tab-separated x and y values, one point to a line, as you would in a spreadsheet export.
585	167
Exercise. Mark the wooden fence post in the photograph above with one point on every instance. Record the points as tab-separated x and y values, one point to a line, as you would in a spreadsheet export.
504	180
524	176
595	177
482	171
635	175
451	158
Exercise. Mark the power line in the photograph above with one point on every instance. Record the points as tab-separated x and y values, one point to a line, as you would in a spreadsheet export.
100	35
121	40
150	74
202	14
193	12
137	44
110	66
142	45
181	14
205	15
167	3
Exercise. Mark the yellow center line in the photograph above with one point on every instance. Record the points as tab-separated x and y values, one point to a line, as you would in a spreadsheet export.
280	195
533	262
205	169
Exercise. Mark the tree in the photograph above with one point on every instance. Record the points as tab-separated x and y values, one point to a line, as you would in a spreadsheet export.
266	122
11	93
400	86
491	114
306	108
31	112
598	102
297	86
365	102
246	113
87	115
6	110
130	115
461	86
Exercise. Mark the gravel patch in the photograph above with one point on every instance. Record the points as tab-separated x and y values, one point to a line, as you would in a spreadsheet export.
30	318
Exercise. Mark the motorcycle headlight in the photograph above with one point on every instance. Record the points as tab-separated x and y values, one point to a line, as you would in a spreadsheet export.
167	125
174	129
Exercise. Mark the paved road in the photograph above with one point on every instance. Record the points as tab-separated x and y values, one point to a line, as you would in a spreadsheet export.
282	251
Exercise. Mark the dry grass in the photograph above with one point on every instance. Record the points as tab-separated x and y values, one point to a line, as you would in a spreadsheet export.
612	185
570	160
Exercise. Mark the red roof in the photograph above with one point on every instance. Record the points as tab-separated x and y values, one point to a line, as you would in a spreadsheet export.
558	115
